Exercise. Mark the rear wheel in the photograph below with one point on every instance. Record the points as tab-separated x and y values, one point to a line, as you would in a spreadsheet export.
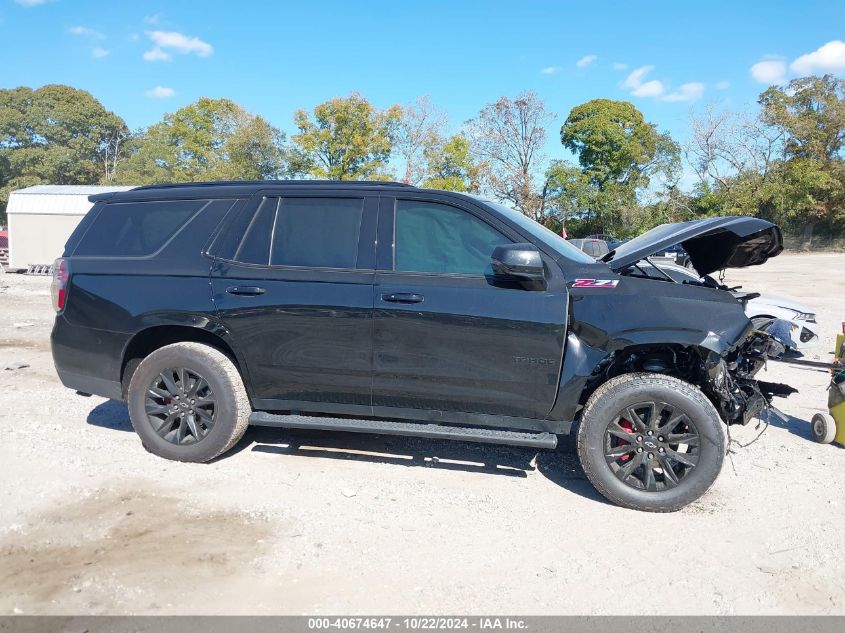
187	402
650	442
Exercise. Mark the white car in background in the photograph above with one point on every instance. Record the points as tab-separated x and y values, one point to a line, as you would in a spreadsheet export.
805	329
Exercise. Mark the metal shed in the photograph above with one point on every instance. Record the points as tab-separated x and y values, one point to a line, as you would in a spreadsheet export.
41	218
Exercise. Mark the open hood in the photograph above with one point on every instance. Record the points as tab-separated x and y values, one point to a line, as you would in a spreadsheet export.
712	243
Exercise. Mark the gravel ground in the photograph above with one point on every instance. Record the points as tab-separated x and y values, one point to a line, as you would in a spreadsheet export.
297	522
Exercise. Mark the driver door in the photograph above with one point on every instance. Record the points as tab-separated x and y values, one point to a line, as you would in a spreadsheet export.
447	336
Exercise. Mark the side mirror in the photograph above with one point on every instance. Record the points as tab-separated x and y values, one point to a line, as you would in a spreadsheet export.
518	261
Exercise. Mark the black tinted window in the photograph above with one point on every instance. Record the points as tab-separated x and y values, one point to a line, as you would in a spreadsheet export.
255	245
136	229
317	232
437	238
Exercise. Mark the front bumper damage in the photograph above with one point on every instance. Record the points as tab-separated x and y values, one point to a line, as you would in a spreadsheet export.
731	376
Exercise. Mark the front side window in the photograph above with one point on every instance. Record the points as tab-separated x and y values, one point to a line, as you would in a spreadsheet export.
136	229
302	232
437	238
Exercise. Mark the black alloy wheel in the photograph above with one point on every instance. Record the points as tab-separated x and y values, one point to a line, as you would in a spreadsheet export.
651	446
180	406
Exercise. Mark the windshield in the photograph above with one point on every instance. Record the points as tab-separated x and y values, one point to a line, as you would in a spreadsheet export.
540	232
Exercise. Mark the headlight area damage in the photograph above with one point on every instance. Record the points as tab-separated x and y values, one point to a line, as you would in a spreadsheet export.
709	339
731	377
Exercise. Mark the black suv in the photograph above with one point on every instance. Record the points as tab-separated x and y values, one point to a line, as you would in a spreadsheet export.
384	308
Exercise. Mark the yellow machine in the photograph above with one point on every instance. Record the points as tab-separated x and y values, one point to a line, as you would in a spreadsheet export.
831	427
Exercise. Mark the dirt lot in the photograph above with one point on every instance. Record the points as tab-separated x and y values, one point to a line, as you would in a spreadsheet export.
307	522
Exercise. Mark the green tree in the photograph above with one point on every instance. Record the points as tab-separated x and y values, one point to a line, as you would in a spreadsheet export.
619	153
56	135
810	111
451	166
346	138
210	139
570	197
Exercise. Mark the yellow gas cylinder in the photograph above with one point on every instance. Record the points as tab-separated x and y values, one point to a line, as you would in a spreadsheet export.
838	411
838	415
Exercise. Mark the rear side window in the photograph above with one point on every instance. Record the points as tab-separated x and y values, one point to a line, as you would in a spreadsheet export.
303	232
136	229
436	238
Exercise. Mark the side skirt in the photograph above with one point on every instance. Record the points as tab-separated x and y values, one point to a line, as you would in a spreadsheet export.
415	429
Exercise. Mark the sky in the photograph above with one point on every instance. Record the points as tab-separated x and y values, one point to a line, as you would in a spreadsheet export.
142	59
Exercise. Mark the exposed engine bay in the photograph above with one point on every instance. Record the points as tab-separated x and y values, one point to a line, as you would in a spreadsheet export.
731	378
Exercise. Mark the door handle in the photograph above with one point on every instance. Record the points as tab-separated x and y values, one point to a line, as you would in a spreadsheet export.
403	297
245	291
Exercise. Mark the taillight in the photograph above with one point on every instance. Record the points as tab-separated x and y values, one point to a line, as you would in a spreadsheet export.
61	273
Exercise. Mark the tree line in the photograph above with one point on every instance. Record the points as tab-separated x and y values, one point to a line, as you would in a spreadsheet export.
783	162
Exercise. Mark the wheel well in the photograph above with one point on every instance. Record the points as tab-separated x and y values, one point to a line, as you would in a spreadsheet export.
683	362
763	316
147	341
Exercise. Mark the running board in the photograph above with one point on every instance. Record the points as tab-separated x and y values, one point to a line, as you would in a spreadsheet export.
414	429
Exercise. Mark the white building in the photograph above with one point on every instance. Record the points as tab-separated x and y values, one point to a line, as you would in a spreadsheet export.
41	218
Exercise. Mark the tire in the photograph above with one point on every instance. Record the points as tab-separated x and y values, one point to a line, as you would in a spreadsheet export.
824	428
601	421
219	410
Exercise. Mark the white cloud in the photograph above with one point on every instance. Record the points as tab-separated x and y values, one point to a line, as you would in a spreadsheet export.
152	19
31	3
723	85
160	92
619	66
180	43
550	70
156	55
829	58
691	91
99	52
653	88
634	82
586	60
84	31
769	71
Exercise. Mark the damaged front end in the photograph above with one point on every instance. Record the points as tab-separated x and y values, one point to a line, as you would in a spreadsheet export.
731	377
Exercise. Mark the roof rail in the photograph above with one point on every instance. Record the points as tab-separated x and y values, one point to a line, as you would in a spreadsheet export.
345	183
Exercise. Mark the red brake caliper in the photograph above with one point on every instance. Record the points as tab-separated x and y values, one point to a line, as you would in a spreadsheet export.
629	427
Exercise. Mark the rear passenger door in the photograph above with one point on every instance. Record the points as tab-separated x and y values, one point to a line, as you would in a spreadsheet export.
292	283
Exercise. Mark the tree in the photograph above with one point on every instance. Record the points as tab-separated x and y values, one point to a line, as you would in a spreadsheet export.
451	167
346	139
725	144
210	139
570	198
419	132
56	135
508	137
619	153
810	112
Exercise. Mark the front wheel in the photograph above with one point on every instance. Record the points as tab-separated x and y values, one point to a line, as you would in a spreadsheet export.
187	402
650	442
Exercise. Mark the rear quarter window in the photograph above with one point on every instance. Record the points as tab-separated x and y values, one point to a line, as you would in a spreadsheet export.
136	229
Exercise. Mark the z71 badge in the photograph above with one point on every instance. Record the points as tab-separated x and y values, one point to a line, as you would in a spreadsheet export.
595	283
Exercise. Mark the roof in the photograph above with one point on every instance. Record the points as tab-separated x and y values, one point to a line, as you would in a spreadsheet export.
270	183
71	190
56	199
232	188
